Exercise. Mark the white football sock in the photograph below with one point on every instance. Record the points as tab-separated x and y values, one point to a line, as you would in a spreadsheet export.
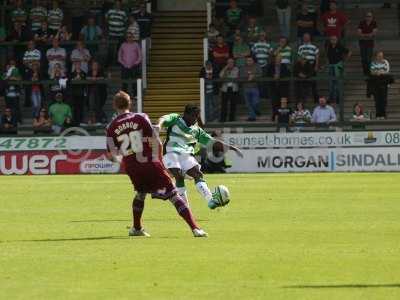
183	194
203	189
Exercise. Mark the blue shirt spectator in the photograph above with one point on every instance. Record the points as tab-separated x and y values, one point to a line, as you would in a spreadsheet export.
323	113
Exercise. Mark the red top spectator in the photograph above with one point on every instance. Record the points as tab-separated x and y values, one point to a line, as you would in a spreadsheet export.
220	52
334	21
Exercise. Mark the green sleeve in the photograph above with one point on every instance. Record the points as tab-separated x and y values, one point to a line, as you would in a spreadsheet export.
69	112
203	137
169	120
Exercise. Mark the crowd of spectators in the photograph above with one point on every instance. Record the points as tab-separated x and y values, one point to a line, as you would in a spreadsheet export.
241	50
68	43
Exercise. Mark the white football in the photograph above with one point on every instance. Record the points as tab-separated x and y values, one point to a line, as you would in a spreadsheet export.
224	194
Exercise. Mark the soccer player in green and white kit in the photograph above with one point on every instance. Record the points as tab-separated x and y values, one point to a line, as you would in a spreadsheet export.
183	133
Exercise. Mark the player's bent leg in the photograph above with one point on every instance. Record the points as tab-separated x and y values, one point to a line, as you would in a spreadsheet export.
180	182
137	211
186	214
202	187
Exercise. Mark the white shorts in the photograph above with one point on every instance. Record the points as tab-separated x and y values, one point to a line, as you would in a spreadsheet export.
182	161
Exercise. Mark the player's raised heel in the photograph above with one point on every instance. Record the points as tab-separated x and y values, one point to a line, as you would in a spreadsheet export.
140	232
199	233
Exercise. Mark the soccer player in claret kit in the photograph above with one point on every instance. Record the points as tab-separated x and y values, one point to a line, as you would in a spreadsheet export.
132	136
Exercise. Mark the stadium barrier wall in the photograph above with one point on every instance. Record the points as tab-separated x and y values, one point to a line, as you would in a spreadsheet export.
263	152
315	152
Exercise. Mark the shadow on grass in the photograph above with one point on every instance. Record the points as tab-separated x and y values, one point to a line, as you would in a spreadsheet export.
70	239
147	220
343	286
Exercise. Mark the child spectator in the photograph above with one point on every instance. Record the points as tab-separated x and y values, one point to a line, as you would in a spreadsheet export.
282	114
358	113
133	28
300	116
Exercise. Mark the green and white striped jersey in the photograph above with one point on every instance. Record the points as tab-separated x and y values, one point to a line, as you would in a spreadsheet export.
180	137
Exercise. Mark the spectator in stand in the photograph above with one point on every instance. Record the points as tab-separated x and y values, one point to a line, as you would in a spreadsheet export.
8	122
311	53
56	55
303	70
116	20
324	6
42	36
278	89
233	15
211	36
3	49
380	79
60	81
282	114
334	21
300	116
144	19
55	17
306	23
252	31
60	114
284	12
18	34
240	51
37	15
78	92
32	56
221	26
133	28
91	33
262	51
35	90
82	55
208	73
284	51
42	123
358	113
19	15
130	58
12	92
63	35
251	72
97	92
367	30
220	53
336	54
230	90
323	114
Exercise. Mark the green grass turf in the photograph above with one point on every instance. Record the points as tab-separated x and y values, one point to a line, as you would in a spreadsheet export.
292	236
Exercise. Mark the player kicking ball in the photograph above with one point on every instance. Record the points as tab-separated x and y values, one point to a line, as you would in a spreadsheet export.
132	135
183	133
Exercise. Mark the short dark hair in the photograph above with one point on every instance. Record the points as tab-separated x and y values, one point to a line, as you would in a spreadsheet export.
191	109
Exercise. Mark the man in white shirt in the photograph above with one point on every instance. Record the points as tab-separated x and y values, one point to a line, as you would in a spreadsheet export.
56	55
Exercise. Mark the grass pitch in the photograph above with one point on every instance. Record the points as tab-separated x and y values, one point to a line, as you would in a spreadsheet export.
292	236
